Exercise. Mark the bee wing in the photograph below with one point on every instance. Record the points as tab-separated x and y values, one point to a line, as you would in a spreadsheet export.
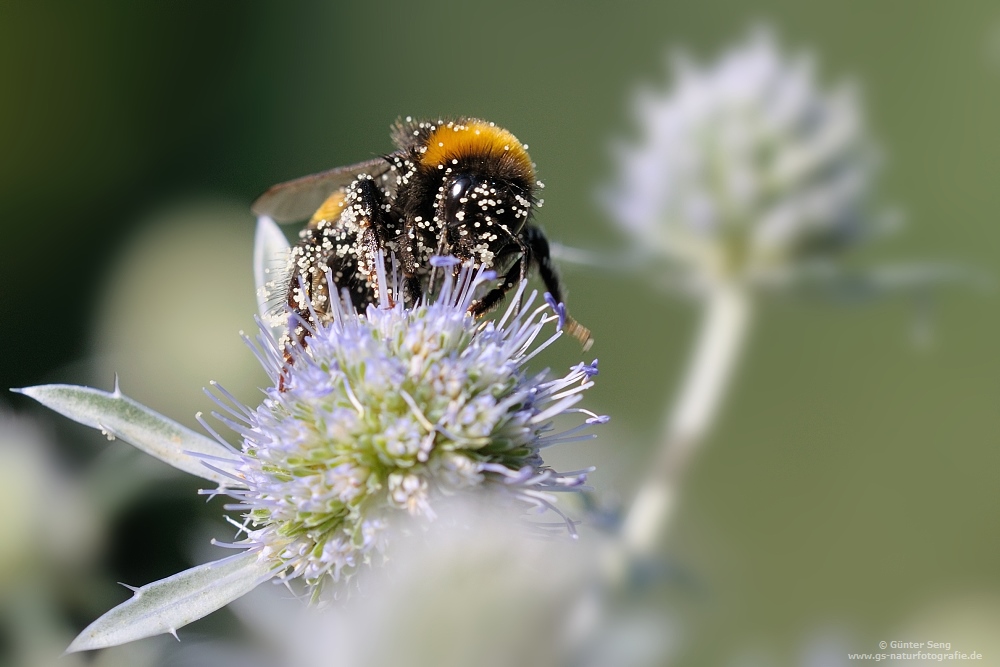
298	199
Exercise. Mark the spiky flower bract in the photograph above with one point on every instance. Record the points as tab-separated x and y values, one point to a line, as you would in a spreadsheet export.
746	166
382	413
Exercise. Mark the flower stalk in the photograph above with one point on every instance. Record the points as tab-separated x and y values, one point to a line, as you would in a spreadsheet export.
726	319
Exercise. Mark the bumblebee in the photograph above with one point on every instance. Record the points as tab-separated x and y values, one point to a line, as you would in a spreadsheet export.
464	187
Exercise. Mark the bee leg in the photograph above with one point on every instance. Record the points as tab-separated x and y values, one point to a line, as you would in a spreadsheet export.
493	298
302	294
541	257
345	247
304	263
370	242
515	275
406	241
378	231
412	290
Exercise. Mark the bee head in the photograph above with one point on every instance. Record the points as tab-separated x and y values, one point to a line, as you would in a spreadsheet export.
476	202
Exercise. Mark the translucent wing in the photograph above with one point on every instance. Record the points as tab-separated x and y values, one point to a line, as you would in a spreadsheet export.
298	199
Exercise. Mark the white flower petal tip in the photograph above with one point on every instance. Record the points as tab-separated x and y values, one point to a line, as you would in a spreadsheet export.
270	258
118	416
166	605
444	260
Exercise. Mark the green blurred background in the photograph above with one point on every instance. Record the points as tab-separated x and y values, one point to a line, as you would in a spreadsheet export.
850	492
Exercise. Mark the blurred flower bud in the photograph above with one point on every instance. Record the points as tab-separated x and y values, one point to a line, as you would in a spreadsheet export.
49	523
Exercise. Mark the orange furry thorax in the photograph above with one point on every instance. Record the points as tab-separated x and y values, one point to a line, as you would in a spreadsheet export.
475	139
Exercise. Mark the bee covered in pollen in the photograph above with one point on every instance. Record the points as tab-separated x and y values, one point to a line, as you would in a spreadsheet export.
465	188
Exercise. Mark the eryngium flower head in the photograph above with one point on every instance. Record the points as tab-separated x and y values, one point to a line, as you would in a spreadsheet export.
745	165
375	416
383	413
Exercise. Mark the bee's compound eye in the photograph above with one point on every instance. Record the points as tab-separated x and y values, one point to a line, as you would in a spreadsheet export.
456	198
459	187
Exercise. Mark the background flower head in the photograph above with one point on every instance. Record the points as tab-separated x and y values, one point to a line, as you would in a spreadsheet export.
745	165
